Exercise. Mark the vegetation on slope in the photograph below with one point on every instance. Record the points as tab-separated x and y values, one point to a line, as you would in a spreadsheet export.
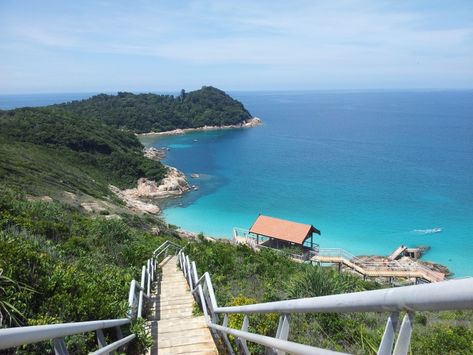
49	149
242	276
60	265
150	112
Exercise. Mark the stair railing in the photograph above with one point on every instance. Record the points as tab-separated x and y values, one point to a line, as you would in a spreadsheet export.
139	294
445	295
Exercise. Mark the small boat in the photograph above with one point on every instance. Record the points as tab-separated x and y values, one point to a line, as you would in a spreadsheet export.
428	231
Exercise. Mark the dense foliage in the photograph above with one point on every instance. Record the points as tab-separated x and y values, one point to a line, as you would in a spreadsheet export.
150	112
49	146
60	265
242	276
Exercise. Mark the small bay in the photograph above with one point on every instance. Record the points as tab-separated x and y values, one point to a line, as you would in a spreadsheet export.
371	170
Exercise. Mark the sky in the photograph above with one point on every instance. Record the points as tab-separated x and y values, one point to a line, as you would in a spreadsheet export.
152	45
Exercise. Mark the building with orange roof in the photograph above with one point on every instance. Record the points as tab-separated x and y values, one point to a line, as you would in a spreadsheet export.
279	233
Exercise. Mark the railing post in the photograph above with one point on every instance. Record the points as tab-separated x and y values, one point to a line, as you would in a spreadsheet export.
140	297
131	299
151	268
242	342
119	334
210	289
225	336
189	276
148	289
386	346
60	347
183	265
100	338
283	330
404	336
196	278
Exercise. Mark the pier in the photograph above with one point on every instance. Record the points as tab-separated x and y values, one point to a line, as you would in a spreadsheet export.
386	267
376	269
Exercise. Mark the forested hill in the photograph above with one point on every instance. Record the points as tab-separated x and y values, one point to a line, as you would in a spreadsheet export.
45	150
142	113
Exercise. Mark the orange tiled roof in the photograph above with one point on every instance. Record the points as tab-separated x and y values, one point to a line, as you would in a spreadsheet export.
282	229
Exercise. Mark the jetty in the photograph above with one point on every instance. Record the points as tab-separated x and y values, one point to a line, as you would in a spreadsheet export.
377	269
297	241
402	250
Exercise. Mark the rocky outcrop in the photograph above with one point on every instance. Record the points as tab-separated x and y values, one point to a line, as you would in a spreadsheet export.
134	203
156	154
252	122
173	184
138	199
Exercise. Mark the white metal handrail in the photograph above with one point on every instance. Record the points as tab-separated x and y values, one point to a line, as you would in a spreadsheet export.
11	337
446	295
139	293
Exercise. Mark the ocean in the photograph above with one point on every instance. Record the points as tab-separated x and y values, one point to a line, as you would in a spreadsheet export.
371	170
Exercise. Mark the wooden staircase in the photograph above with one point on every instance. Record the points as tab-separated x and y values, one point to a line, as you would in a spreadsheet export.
174	328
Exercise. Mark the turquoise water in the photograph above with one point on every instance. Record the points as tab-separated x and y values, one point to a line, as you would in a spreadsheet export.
371	170
367	169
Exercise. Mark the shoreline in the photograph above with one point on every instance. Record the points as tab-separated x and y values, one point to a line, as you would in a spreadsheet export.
147	195
250	123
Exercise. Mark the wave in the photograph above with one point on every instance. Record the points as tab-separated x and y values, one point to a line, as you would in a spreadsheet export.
428	231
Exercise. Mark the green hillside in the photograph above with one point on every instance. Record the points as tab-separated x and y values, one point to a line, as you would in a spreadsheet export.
150	112
59	264
44	150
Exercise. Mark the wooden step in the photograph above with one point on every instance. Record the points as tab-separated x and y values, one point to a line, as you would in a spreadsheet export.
177	331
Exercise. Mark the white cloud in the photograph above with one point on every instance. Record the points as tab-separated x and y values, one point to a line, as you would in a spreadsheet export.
318	38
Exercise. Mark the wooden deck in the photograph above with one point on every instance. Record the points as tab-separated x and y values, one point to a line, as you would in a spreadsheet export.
176	330
396	253
379	270
382	271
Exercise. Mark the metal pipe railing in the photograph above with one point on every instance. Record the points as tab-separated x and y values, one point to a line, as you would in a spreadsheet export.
11	337
114	346
445	295
137	295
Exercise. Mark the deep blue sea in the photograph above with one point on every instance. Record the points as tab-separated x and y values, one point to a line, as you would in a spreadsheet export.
371	170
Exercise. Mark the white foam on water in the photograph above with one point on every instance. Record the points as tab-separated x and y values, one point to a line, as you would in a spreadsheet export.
428	231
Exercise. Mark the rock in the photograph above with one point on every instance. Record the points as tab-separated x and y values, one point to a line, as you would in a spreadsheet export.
173	184
113	217
94	207
252	122
134	203
70	197
155	153
39	198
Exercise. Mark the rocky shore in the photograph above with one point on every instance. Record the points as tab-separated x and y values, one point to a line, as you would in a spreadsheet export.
146	195
252	122
157	154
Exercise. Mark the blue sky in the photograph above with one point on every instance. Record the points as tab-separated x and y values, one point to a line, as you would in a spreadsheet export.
141	45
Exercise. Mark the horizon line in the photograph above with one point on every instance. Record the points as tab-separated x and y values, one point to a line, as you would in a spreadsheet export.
164	91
